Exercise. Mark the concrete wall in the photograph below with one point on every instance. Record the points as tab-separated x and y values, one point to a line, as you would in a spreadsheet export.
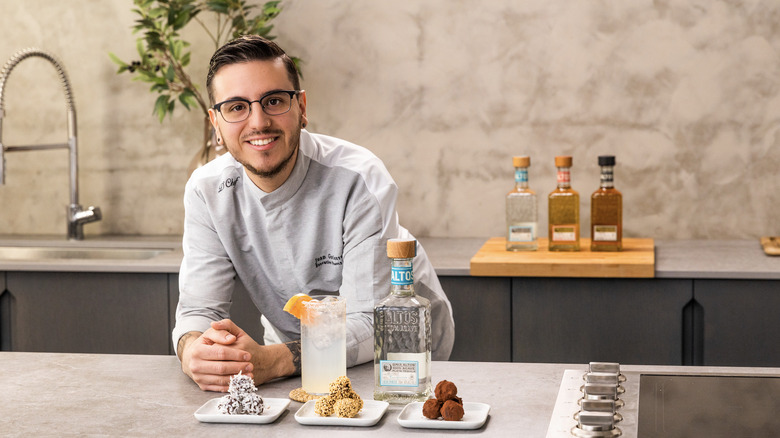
685	93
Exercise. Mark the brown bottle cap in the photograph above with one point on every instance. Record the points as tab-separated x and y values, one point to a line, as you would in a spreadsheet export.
401	248
521	161
563	161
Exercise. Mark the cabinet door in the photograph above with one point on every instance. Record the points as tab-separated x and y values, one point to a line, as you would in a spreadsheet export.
740	322
5	315
483	323
89	312
243	311
632	321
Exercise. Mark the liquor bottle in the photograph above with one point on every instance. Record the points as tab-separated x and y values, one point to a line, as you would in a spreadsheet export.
521	210
402	333
606	210
564	210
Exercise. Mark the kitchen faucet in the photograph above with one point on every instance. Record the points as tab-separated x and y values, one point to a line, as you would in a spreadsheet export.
75	213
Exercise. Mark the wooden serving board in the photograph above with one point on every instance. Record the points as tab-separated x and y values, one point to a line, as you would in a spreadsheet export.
637	260
771	245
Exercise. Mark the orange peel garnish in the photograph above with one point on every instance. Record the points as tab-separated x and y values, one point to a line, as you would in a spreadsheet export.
294	305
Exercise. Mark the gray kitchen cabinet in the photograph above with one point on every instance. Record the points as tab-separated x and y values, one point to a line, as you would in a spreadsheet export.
483	321
88	312
739	322
5	316
480	306
242	311
574	320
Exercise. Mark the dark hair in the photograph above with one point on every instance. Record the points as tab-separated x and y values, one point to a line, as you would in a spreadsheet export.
249	48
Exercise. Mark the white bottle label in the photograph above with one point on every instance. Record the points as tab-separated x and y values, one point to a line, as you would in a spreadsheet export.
524	232
402	369
605	233
564	233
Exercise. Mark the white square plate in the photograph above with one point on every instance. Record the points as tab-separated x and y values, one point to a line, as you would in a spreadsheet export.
209	413
371	413
474	417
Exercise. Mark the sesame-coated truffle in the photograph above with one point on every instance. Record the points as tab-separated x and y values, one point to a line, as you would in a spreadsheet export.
347	407
324	406
341	400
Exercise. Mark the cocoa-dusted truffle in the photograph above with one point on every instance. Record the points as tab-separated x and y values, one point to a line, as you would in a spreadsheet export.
451	410
432	408
446	390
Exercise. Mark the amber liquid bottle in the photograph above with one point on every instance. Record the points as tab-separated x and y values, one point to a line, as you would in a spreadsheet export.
564	210
606	210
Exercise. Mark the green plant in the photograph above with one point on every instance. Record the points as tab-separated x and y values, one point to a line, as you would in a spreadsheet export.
164	55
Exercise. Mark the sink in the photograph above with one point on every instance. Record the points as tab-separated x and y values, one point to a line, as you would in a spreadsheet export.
78	253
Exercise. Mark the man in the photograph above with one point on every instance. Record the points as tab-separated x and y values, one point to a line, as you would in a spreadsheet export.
285	212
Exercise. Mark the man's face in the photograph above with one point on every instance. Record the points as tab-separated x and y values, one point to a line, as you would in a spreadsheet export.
266	145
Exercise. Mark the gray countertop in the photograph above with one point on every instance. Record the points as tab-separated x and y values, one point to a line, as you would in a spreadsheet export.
58	394
735	259
721	259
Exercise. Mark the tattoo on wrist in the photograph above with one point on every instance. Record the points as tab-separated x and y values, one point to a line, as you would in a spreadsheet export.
295	349
183	340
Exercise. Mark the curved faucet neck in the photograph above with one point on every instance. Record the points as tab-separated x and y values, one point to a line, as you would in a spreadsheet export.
75	217
72	144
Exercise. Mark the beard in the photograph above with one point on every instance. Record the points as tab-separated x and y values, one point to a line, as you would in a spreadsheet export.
294	143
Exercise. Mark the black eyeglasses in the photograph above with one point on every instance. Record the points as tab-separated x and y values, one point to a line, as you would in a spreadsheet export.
273	103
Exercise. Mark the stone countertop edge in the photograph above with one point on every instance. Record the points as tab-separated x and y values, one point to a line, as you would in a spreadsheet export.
691	259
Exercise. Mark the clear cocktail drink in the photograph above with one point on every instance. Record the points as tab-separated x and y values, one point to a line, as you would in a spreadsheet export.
323	342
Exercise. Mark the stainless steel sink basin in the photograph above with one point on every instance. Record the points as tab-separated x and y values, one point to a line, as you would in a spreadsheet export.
78	253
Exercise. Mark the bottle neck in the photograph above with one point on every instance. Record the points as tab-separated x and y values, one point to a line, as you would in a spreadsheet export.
564	177
607	177
402	277
521	177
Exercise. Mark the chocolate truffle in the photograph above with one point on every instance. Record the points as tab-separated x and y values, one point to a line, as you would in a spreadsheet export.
452	410
432	408
446	390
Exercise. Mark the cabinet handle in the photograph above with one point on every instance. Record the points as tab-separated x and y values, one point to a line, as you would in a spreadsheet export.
5	321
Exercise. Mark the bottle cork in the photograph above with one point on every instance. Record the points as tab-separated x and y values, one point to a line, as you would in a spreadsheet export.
606	160
563	161
521	161
401	248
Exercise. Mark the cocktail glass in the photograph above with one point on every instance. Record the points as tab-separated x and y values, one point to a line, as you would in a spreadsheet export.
323	342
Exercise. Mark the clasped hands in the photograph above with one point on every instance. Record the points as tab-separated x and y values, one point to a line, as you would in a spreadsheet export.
210	358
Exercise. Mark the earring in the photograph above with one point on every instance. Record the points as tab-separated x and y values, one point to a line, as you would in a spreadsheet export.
219	140
303	125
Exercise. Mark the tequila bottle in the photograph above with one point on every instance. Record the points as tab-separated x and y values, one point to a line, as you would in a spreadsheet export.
521	210
606	210
402	333
564	210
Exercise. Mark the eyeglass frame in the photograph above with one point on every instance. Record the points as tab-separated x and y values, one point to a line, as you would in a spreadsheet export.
292	93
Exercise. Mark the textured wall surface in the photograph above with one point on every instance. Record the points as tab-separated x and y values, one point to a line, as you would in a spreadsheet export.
685	93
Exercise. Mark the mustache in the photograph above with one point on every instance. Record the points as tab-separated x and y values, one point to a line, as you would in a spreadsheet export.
274	132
